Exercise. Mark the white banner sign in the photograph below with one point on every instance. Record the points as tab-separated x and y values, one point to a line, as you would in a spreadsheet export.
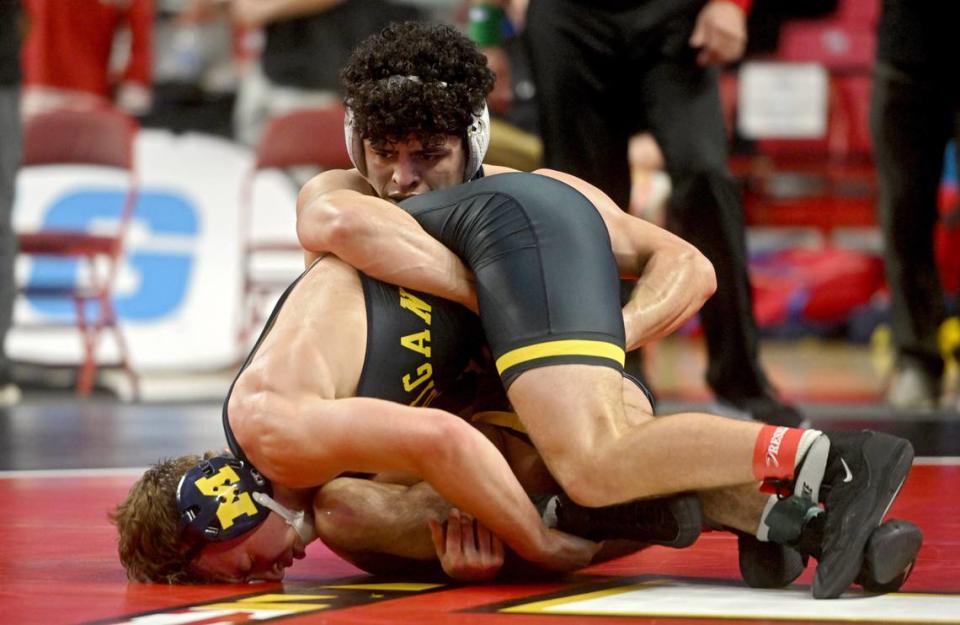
179	290
782	101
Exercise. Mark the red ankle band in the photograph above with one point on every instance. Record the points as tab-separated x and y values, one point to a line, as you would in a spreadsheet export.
775	454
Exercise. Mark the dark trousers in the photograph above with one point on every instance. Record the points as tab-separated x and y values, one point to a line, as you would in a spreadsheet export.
912	118
10	141
605	70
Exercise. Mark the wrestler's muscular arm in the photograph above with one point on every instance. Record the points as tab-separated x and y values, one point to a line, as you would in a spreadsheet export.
674	278
338	212
305	441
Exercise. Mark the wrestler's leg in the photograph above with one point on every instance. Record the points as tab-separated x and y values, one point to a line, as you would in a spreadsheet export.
357	517
575	417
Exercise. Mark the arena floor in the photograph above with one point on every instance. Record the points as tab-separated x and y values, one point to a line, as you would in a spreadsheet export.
64	463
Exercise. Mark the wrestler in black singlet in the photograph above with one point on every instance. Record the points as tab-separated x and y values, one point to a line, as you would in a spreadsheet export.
421	351
546	278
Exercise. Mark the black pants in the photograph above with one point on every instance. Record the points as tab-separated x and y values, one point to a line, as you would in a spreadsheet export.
912	118
605	70
10	148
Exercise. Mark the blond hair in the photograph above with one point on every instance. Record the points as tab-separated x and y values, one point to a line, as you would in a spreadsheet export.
152	547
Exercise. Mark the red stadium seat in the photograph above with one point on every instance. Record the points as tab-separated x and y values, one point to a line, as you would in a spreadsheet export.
307	137
838	46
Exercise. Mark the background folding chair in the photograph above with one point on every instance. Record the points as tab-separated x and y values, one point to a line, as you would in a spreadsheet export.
101	138
310	137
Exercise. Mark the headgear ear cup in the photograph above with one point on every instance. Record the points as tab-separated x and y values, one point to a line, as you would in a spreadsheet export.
478	140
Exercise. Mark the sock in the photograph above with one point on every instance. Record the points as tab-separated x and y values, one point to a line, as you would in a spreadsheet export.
763	529
813	465
779	451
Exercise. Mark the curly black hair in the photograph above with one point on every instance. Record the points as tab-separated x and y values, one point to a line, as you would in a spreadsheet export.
414	77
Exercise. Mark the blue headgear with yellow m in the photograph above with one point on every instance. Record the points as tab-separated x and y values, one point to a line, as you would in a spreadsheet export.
216	499
223	498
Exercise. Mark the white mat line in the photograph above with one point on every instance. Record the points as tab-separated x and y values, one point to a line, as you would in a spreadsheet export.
947	460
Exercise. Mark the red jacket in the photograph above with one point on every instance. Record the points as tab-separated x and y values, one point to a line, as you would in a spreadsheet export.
69	42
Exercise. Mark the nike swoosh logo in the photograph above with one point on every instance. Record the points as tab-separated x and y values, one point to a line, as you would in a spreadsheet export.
849	473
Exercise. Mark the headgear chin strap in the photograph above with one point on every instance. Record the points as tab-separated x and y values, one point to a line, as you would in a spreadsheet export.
301	522
477	140
216	499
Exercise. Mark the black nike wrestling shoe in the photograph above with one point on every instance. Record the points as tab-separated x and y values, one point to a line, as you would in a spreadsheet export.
673	521
891	553
767	564
863	475
887	561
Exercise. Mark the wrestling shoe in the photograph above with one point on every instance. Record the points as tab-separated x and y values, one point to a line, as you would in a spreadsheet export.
914	388
863	475
888	559
767	564
890	556
673	521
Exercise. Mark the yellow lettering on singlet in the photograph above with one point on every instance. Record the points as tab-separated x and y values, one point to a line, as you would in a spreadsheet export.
419	342
426	396
223	485
415	305
424	372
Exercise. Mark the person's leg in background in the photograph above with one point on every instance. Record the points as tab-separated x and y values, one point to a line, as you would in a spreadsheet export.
684	112
584	122
10	152
576	72
911	123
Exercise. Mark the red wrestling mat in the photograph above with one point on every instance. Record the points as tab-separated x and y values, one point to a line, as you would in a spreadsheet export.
58	567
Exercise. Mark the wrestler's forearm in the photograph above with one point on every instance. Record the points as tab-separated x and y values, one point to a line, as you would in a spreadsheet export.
673	286
674	278
304	442
382	241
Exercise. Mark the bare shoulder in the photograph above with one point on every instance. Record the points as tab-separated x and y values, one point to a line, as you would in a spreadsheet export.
333	180
312	344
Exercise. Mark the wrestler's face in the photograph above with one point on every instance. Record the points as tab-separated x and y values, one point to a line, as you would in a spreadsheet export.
401	169
260	555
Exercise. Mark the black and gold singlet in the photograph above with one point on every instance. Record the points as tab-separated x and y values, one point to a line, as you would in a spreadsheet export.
421	350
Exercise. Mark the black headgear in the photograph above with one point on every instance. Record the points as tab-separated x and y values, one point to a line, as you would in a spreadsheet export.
215	499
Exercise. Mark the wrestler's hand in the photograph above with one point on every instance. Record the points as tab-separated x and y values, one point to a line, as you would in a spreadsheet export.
468	551
720	33
565	552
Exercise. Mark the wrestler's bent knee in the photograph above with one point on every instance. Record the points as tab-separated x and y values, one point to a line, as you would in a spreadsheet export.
584	480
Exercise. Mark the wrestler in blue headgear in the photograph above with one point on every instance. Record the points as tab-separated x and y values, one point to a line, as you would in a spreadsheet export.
223	498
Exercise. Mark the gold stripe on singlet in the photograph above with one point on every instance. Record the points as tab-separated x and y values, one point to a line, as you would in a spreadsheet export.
567	347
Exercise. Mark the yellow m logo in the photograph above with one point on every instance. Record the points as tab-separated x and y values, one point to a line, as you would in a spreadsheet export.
223	485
